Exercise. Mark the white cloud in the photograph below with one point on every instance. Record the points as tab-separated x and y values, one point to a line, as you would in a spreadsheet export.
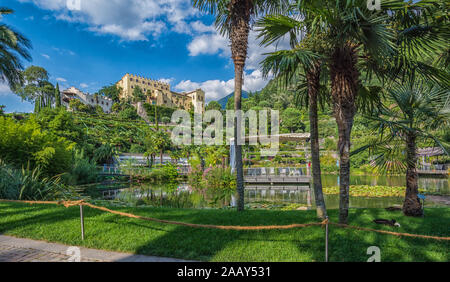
198	26
64	51
84	85
46	56
132	20
137	20
166	80
4	90
216	89
60	79
211	42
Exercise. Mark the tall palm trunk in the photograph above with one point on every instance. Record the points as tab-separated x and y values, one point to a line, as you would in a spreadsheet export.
240	11
344	90
411	206
313	79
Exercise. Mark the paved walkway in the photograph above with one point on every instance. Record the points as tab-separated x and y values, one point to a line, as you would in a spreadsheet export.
26	250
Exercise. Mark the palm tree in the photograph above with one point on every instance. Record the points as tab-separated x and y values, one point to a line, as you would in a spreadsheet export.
161	141
13	46
105	154
347	30
233	19
151	148
363	39
302	60
414	110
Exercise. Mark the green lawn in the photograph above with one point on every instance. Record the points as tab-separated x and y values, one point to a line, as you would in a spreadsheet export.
111	232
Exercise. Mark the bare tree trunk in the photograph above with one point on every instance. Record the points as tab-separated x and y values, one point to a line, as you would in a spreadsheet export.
344	89
313	78
202	162
224	162
239	163
240	12
412	205
344	128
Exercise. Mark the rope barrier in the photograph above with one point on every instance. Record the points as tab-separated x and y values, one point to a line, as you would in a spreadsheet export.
390	232
68	204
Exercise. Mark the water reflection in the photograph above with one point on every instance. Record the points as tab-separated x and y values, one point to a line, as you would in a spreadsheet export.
182	196
440	185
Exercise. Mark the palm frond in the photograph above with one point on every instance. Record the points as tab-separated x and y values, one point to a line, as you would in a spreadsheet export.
286	63
13	47
272	28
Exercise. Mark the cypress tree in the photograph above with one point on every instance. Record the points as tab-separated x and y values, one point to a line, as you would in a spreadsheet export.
57	96
37	105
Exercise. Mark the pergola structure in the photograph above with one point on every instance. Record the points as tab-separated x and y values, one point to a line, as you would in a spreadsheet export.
287	137
430	152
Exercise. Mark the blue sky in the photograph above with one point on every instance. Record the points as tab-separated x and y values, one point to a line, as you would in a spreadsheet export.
92	43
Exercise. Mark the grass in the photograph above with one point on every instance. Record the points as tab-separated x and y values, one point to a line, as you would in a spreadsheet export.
115	233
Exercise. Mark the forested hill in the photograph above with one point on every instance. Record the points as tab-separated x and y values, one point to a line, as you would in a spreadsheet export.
223	102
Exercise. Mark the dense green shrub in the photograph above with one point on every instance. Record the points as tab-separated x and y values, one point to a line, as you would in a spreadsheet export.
161	112
25	143
83	171
218	182
219	178
165	120
167	172
78	106
104	154
195	178
129	114
61	123
330	144
137	149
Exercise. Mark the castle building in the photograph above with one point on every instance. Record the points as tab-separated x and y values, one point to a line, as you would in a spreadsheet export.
87	99
159	93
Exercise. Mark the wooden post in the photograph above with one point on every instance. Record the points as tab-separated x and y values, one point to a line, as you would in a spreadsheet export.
82	222
326	241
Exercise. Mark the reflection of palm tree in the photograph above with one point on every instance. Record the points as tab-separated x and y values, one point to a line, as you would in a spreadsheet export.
13	45
233	19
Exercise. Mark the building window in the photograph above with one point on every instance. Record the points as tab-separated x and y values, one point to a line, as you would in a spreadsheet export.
131	79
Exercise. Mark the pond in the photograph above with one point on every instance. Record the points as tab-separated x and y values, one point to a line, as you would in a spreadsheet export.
439	185
182	196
